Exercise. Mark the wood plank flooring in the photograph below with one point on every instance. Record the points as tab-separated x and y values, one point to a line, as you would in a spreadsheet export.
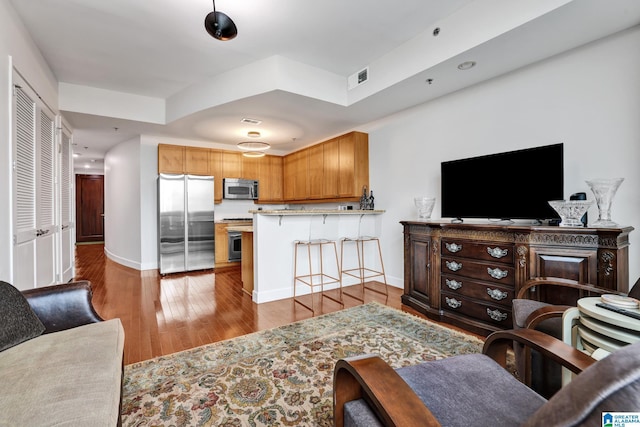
163	315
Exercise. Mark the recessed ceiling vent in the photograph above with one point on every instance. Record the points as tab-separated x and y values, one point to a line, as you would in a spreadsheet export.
358	78
251	121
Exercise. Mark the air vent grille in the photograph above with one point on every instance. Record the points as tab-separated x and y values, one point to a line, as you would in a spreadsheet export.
251	121
358	78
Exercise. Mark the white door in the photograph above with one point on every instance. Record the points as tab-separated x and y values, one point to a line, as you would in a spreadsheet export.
67	230
34	190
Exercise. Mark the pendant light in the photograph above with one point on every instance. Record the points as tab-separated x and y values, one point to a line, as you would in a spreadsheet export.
219	25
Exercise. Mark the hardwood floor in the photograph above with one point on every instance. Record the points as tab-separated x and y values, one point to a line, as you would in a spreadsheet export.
163	315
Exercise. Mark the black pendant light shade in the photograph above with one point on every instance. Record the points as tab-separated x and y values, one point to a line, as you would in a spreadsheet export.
219	25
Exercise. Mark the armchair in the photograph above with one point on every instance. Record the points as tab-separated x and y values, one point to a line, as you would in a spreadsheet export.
541	374
477	390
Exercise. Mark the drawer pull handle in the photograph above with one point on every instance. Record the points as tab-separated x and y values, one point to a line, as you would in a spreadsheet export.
453	303
496	273
496	294
453	247
453	284
496	315
453	266
497	252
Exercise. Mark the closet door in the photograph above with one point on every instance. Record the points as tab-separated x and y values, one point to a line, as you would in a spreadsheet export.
67	230
35	230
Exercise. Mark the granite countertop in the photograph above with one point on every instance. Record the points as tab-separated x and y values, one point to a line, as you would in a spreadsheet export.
316	212
242	228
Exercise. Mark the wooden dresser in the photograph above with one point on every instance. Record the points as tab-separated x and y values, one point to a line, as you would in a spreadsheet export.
467	274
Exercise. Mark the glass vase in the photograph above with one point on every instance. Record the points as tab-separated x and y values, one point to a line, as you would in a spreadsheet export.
425	206
604	190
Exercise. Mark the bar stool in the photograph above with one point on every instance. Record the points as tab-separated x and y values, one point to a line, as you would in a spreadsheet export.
362	272
319	279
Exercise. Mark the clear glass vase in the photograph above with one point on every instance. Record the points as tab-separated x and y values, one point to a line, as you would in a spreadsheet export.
604	190
425	206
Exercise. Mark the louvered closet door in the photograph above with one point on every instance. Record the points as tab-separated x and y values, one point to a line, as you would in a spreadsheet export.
45	208
24	258
34	191
66	221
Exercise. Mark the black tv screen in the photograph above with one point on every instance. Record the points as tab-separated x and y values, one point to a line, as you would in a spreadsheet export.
511	185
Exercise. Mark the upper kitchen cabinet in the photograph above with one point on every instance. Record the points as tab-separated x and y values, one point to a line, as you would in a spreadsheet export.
250	166
232	164
353	168
183	159
316	171
270	175
296	176
171	158
336	169
197	161
215	169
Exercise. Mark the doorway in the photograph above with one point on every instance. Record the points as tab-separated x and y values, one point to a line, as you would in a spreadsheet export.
89	208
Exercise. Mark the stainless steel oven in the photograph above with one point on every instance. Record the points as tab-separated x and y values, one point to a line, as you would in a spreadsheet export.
235	245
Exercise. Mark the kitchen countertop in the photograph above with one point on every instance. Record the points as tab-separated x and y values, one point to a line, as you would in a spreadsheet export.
242	228
316	212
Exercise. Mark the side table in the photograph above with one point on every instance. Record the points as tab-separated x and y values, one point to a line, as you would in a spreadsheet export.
597	331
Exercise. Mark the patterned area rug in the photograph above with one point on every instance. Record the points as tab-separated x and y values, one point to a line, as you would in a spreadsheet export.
279	377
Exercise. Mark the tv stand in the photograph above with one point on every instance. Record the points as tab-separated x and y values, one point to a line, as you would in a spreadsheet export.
468	274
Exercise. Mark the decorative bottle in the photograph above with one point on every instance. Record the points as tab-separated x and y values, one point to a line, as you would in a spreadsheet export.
363	198
371	201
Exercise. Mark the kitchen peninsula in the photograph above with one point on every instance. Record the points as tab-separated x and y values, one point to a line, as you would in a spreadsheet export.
274	232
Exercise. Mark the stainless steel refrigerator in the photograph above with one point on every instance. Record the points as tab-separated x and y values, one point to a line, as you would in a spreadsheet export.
185	223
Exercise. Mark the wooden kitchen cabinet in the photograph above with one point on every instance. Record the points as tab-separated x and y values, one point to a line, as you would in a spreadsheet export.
231	164
171	158
250	167
215	169
197	161
315	171
336	169
296	178
468	274
270	176
331	168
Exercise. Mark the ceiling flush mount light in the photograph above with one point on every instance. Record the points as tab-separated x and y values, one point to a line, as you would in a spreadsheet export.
253	154
467	65
219	25
253	145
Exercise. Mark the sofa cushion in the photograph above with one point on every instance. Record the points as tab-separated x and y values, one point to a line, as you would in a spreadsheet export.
67	378
18	322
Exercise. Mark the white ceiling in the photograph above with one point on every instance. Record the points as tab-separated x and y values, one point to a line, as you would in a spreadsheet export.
290	62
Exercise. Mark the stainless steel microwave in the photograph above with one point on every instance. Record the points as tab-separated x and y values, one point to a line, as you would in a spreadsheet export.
236	188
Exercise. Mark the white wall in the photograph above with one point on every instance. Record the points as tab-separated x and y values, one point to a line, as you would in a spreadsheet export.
17	50
122	204
588	98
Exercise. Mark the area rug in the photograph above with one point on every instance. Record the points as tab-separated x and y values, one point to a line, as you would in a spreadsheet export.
278	377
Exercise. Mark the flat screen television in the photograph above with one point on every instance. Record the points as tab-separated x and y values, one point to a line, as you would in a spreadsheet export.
510	185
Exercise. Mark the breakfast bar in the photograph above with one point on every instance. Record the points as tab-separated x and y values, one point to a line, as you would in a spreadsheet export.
274	234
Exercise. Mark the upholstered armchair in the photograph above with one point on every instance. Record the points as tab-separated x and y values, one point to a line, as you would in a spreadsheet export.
477	390
541	374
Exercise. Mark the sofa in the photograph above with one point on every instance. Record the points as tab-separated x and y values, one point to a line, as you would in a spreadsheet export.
60	363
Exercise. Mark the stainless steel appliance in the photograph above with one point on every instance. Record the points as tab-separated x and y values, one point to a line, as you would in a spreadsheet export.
237	188
235	245
185	223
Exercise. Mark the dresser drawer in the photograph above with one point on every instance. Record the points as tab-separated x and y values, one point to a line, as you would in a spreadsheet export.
487	313
487	271
487	291
502	253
